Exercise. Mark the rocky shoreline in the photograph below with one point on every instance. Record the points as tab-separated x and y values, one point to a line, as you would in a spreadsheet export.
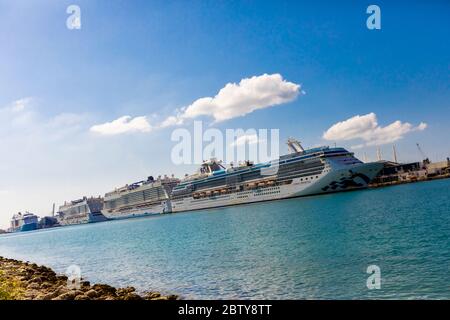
27	281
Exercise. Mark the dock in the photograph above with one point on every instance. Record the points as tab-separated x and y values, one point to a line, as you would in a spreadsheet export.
395	173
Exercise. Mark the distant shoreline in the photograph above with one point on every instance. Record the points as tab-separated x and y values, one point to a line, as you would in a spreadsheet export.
27	281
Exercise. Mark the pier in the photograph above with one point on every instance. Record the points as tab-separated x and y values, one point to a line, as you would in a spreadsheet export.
396	173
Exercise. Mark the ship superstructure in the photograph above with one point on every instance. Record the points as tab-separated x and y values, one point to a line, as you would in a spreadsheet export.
84	210
299	173
141	198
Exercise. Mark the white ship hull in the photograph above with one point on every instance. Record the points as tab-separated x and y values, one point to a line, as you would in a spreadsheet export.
160	208
334	179
73	220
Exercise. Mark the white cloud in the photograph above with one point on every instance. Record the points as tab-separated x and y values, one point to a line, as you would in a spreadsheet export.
233	100
367	129
171	121
250	139
238	99
125	124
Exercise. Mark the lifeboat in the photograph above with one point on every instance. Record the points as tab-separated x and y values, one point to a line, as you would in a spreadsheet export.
270	183
261	184
223	191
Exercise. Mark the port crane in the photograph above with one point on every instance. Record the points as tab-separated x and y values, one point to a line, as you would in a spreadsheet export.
425	159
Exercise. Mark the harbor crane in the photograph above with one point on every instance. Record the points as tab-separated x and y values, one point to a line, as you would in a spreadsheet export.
425	159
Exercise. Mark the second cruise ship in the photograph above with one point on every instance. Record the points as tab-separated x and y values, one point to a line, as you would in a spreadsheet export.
141	198
299	173
85	210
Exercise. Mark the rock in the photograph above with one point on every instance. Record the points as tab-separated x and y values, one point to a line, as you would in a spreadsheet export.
23	278
33	286
78	293
61	290
125	291
40	296
47	277
104	289
46	285
85	284
66	296
132	296
49	294
37	279
92	293
30	295
61	278
43	269
158	296
42	283
161	298
152	295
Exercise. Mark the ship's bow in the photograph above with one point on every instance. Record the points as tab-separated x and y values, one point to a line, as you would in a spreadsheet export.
349	177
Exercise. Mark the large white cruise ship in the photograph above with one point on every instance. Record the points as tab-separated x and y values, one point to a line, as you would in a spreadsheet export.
140	198
85	210
300	173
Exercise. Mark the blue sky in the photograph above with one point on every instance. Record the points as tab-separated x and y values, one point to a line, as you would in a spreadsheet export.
149	58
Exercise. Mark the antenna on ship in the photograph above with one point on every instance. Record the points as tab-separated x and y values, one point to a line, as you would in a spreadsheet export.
53	210
394	153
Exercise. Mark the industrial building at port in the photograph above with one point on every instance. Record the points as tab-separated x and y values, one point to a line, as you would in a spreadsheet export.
398	173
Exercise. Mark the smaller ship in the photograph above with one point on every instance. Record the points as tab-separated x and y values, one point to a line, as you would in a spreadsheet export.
24	222
149	197
48	222
85	210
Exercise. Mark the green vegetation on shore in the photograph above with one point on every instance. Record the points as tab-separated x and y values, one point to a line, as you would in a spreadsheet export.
10	289
28	281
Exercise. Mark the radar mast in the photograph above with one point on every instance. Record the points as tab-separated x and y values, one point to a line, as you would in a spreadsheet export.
294	146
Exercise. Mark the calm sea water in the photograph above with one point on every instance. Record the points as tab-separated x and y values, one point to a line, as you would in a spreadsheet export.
315	247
